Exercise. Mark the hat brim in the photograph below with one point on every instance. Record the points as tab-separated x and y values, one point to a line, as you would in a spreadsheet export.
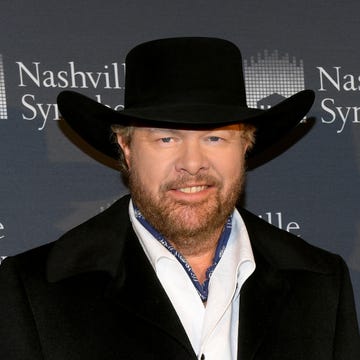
92	120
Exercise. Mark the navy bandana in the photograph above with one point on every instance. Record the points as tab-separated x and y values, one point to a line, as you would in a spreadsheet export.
202	289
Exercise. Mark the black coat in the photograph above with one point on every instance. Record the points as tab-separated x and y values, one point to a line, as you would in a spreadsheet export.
94	295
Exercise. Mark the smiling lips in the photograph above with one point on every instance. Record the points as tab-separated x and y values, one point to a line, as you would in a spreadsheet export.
191	186
193	189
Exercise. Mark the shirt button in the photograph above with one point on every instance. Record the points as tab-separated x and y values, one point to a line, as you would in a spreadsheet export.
202	357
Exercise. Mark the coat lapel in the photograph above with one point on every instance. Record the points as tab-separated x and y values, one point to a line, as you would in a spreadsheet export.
139	291
261	300
107	243
264	295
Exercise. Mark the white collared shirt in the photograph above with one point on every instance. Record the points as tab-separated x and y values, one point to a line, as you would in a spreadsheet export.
212	330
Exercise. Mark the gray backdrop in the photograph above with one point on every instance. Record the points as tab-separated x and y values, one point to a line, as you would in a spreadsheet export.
48	184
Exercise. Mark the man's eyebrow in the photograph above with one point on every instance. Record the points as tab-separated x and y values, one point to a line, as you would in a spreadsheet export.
153	130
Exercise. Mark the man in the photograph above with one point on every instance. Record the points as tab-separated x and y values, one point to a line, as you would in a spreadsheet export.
175	271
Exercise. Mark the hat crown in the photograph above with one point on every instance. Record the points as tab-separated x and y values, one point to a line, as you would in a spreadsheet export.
184	71
191	82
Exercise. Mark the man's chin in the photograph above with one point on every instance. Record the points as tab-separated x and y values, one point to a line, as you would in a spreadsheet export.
192	217
190	210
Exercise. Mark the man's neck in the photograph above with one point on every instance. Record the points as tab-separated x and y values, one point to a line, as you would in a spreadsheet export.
200	264
199	253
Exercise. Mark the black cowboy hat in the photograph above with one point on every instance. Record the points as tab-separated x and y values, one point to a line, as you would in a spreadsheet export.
186	82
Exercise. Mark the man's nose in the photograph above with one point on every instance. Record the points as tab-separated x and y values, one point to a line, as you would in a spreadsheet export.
192	158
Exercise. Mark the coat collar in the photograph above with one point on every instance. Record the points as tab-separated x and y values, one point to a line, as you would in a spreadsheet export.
282	250
98	245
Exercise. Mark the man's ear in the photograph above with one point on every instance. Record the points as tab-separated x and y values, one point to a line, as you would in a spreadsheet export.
125	148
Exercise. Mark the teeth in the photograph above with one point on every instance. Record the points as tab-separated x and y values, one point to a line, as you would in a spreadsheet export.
193	189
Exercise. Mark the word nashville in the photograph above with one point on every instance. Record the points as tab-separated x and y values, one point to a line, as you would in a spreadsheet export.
334	80
111	77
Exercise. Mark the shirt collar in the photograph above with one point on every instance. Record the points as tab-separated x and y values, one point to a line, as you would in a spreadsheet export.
238	254
153	249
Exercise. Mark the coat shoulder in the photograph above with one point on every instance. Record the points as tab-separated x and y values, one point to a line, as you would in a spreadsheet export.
285	250
97	238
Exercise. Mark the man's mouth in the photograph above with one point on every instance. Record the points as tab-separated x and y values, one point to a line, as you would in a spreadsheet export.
193	189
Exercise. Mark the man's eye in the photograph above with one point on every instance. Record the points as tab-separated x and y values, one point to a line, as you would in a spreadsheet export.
214	138
166	139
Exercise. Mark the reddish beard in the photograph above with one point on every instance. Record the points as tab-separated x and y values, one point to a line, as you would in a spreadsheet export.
186	224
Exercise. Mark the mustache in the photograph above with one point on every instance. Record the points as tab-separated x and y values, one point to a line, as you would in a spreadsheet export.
190	180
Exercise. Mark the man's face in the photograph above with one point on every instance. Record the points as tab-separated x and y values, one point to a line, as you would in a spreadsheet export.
186	182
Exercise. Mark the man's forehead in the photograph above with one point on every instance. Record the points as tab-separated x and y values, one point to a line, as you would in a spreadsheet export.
177	127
